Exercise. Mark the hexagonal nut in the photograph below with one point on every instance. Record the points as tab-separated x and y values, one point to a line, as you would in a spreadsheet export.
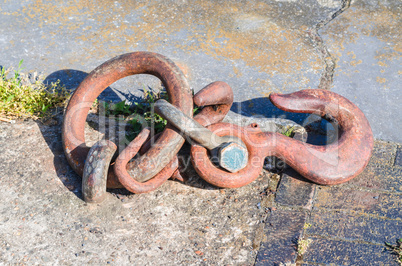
233	156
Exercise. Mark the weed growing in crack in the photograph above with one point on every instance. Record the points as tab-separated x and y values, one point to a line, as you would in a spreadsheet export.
289	132
307	225
302	246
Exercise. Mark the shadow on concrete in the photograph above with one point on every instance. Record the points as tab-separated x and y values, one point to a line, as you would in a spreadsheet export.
316	127
71	79
51	129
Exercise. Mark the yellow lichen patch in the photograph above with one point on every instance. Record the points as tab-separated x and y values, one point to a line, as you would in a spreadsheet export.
237	71
233	35
264	86
383	24
381	80
355	62
382	63
352	54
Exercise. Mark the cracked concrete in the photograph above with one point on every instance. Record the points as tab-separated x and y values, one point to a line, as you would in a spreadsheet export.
326	80
365	42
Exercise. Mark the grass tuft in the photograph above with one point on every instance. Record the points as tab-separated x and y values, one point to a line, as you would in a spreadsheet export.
139	114
289	132
302	246
23	96
396	249
307	225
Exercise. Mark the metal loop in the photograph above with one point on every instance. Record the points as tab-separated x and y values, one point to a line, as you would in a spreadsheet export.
94	179
119	67
127	154
216	95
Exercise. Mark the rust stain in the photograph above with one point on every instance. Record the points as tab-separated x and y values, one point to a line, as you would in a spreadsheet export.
382	63
237	71
352	54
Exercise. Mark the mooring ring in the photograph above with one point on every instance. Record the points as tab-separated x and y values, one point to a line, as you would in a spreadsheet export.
100	78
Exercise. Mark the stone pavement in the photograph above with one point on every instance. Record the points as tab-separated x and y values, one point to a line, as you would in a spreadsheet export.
256	47
344	224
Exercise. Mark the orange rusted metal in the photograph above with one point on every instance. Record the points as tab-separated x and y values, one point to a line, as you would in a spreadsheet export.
152	168
120	167
119	67
332	164
216	98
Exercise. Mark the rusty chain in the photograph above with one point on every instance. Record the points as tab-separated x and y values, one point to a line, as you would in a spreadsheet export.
240	150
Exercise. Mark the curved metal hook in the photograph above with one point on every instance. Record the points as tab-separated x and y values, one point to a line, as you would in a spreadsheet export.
337	162
327	165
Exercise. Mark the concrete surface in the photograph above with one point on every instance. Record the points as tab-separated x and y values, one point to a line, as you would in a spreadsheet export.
44	221
366	44
257	47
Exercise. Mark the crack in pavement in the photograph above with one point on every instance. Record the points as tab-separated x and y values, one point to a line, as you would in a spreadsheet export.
326	79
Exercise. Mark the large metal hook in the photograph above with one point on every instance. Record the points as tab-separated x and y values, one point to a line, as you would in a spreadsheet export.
328	165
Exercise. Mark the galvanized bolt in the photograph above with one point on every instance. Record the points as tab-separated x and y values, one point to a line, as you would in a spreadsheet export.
232	156
232	153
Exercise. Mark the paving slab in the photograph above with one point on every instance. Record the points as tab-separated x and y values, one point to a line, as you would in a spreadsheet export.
351	220
386	205
323	251
294	190
377	179
342	225
383	153
282	231
365	42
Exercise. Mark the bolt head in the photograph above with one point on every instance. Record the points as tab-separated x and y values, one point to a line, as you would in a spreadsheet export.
233	157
